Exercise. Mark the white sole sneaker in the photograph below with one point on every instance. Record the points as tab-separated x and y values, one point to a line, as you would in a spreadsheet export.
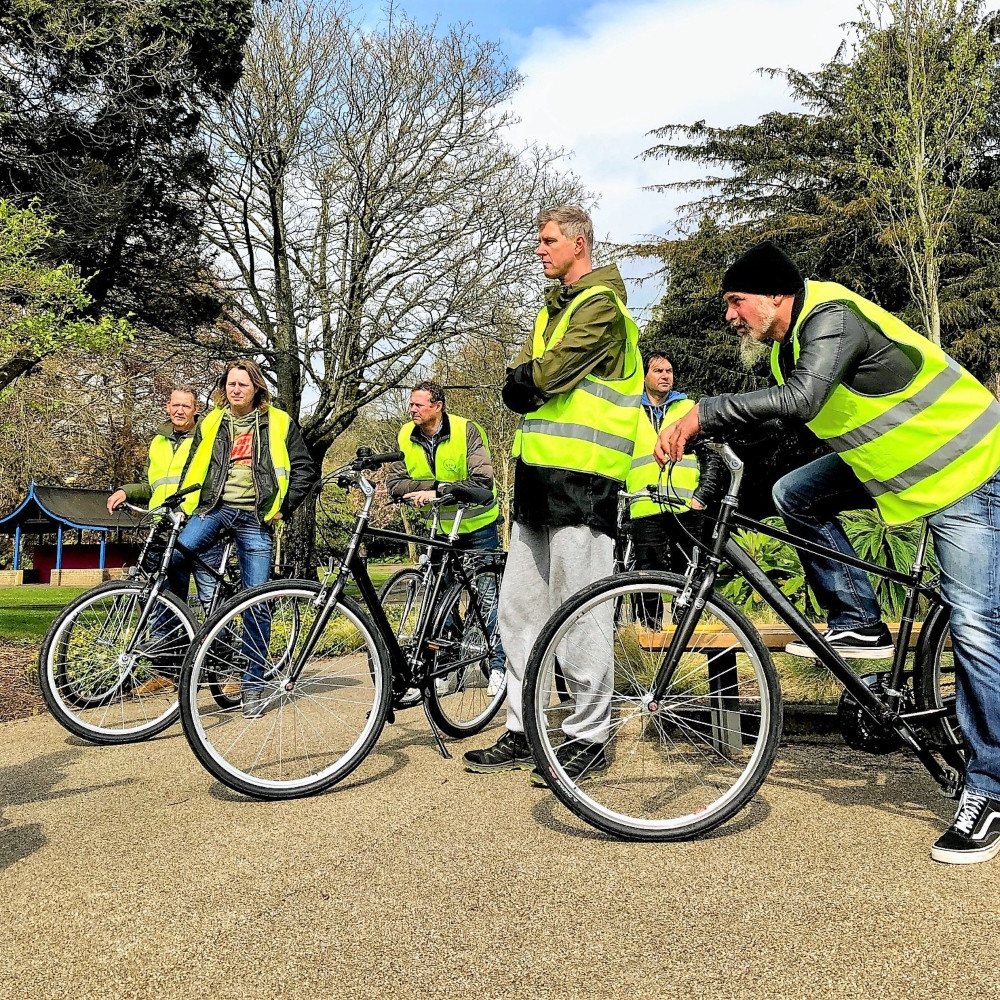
965	857
847	652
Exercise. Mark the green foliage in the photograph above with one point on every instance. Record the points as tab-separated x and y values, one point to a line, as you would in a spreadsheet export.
781	564
101	107
795	178
891	545
42	306
918	95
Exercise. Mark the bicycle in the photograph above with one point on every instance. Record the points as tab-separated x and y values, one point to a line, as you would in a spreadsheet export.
109	663
348	670
624	551
695	712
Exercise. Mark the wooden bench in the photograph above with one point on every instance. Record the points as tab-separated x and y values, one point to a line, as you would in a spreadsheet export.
775	637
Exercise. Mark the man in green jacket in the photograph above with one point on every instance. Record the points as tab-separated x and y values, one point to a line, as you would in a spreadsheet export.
578	384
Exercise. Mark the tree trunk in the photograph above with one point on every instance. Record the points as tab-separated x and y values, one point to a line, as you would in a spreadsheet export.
300	535
299	548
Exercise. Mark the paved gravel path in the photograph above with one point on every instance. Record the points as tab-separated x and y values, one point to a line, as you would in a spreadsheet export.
127	872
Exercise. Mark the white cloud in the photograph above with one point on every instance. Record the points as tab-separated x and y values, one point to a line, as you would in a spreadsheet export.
631	67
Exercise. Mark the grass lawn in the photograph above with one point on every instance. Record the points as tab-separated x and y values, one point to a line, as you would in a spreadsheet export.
26	612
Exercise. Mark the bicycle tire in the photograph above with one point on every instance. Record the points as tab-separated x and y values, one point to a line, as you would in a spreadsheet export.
934	676
401	597
93	686
309	737
673	774
459	701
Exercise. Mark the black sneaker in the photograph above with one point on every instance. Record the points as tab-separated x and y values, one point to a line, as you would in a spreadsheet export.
510	753
873	642
974	835
580	760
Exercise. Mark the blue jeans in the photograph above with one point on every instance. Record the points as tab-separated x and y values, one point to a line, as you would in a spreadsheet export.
205	583
487	537
254	549
809	500
967	544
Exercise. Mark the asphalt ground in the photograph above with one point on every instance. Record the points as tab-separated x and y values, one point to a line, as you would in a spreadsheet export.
128	872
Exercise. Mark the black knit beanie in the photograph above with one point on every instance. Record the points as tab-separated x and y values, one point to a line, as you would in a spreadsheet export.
763	270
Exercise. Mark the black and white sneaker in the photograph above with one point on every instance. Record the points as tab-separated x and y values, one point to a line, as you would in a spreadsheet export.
510	753
873	642
974	835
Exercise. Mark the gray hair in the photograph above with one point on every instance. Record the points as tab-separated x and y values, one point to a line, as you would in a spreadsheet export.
184	387
572	221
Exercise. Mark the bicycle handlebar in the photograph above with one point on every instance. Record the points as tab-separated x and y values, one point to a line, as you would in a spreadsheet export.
367	462
652	493
477	495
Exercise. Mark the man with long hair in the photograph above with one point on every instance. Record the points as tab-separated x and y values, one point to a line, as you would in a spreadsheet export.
253	469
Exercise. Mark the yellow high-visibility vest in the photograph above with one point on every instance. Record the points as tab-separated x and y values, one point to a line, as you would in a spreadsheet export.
278	424
916	450
166	466
592	427
645	471
451	465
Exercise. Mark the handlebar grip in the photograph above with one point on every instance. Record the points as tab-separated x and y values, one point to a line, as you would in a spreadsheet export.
468	494
374	461
174	500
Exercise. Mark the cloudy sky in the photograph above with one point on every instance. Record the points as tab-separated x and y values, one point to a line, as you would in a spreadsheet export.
600	76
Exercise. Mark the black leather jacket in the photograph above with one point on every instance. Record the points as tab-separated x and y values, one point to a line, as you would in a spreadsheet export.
836	345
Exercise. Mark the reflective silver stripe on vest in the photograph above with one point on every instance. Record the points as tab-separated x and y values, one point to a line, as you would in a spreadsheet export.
607	393
900	412
281	472
963	442
684	463
165	481
556	428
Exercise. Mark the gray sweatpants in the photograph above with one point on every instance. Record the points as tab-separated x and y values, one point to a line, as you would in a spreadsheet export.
545	567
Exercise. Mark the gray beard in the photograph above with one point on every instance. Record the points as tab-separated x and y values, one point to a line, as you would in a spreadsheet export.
752	352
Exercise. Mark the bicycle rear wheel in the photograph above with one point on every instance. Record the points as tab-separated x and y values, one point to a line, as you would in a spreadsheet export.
103	678
934	676
666	773
465	632
401	597
308	736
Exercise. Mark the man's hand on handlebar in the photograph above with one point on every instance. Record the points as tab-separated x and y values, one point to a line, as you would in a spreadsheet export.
420	498
673	439
116	500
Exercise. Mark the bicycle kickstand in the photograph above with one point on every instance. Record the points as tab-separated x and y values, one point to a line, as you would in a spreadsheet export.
437	735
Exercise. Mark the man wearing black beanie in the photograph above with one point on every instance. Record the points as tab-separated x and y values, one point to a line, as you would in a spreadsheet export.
912	433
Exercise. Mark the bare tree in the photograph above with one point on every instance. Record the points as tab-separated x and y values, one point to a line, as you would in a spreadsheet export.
918	95
368	208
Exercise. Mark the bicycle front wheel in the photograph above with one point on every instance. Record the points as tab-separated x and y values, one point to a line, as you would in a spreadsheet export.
107	675
292	734
665	771
461	700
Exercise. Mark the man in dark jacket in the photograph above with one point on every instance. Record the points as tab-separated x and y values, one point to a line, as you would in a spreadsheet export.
913	433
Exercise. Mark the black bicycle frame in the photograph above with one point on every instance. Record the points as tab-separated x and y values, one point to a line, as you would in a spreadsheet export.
702	581
355	567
